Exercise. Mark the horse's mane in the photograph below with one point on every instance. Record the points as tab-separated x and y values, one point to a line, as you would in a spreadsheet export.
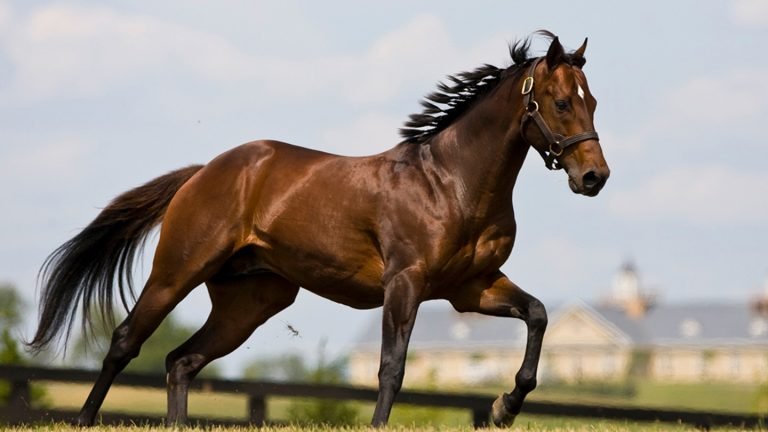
463	89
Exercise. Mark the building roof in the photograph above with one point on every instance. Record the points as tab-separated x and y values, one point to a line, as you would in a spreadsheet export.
445	329
683	324
693	323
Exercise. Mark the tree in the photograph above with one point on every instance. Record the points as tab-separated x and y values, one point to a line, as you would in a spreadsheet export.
325	411
286	367
169	335
11	306
292	367
11	309
322	411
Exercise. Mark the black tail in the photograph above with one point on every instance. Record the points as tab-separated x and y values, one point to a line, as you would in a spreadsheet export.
85	268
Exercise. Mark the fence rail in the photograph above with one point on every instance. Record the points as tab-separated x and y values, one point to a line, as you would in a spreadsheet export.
18	409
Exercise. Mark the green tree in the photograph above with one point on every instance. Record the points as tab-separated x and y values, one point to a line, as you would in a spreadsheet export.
11	310
292	367
639	363
285	367
325	411
11	306
169	335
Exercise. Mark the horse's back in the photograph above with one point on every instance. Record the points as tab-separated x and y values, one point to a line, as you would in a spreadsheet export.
272	206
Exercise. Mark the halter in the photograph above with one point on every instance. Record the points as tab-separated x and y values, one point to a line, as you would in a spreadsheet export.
556	143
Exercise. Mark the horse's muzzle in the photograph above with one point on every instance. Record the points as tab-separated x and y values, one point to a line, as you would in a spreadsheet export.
590	182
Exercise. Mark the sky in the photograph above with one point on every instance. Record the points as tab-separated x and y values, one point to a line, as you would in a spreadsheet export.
99	97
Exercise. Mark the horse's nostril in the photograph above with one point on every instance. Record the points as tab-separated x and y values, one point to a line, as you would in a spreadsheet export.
591	179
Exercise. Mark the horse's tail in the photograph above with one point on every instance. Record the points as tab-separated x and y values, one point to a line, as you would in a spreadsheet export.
86	267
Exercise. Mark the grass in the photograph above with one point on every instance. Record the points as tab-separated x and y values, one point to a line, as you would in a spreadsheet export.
707	396
404	417
122	399
527	427
725	397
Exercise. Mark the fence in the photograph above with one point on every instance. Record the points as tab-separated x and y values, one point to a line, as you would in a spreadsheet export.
18	409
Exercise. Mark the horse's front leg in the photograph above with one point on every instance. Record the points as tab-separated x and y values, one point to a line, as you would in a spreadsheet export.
496	295
401	301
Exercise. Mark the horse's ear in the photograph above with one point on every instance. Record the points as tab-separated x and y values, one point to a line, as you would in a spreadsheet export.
555	53
578	55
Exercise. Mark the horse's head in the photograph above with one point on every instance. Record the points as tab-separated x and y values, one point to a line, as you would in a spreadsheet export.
558	118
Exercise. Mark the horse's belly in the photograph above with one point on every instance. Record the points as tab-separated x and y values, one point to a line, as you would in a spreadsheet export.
349	275
357	287
358	296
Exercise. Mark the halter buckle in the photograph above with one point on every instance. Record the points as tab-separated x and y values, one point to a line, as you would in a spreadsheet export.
556	149
527	85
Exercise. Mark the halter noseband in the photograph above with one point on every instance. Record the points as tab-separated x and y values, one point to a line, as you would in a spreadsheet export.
556	143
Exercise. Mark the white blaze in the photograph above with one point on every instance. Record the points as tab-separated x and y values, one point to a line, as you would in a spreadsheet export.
580	91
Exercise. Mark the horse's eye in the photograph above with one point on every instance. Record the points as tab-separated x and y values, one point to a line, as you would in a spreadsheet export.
561	105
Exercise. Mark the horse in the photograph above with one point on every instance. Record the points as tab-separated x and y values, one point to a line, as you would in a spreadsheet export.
431	218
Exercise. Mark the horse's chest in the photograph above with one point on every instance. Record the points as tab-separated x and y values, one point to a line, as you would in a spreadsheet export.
492	251
485	253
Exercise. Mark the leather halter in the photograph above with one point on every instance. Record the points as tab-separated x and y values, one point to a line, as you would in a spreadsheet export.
556	143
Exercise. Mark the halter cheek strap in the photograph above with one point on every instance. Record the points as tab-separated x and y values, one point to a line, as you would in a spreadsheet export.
556	143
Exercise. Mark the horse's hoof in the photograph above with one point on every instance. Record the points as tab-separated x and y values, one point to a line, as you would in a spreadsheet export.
500	414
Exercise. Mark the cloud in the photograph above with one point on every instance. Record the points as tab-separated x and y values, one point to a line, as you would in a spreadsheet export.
419	50
370	133
718	100
59	158
749	13
66	50
73	50
701	114
704	195
5	15
620	148
559	266
422	50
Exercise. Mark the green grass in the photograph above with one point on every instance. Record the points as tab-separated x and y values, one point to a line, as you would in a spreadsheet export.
724	397
520	427
212	405
121	399
705	396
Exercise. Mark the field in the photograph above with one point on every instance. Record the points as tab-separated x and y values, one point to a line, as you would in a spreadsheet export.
720	397
527	427
404	418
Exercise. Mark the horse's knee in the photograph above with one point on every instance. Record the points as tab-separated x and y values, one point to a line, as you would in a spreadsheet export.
182	369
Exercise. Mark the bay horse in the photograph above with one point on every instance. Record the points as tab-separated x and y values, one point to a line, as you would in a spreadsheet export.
431	218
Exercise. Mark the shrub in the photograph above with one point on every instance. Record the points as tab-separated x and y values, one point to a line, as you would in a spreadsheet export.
324	411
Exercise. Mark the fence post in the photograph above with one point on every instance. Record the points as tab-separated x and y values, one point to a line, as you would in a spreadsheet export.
257	410
19	399
480	417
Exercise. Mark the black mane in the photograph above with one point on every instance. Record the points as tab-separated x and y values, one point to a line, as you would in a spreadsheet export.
452	99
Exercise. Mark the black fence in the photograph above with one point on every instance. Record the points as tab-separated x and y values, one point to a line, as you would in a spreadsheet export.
19	411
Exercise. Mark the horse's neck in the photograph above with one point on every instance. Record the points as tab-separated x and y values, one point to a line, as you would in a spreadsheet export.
485	151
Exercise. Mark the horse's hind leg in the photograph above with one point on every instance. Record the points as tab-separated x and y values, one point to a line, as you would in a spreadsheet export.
182	262
153	305
238	306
